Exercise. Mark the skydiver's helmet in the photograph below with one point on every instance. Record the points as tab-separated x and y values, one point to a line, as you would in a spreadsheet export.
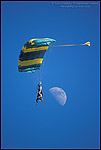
39	84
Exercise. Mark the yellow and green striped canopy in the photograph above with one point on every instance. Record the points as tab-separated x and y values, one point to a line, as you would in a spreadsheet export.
32	53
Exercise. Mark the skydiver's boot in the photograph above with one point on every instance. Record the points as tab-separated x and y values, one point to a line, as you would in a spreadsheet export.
41	99
37	101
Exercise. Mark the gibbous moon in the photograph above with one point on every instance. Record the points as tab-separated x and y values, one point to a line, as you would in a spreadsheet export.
59	94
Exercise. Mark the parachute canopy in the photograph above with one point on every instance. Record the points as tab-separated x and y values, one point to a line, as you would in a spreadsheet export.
32	53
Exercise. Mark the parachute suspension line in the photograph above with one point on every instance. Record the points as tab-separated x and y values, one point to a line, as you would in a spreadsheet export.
41	68
44	66
36	77
48	55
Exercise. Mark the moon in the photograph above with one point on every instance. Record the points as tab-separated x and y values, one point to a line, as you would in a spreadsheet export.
59	94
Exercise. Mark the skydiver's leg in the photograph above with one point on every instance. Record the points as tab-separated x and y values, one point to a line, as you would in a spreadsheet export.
41	99
37	101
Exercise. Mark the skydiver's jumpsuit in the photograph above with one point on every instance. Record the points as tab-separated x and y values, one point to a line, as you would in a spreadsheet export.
40	94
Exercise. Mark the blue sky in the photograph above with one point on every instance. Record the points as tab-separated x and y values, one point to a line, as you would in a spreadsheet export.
74	69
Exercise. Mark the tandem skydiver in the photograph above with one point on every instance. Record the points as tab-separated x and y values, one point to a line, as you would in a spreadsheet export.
39	93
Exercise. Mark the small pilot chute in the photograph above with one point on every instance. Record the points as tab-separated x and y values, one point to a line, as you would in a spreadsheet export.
87	43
